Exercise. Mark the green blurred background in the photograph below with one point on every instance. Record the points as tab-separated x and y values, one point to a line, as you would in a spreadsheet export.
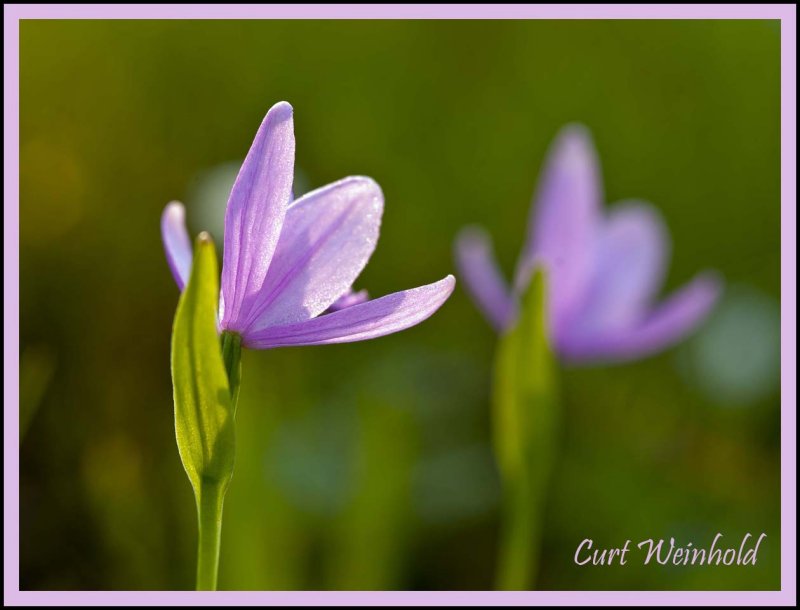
367	466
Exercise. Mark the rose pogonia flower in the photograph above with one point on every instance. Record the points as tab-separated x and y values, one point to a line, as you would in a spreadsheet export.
604	268
286	263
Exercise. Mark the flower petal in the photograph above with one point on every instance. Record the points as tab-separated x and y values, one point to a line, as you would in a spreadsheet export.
177	245
327	239
477	265
388	314
348	299
630	257
255	213
564	219
667	324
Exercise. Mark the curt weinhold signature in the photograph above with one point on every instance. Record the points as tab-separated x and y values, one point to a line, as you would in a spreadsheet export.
669	553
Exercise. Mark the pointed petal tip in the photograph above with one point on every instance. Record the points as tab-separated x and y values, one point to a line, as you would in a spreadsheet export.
369	187
364	185
574	142
711	284
364	182
576	127
278	114
356	185
281	110
633	214
473	236
472	241
575	131
174	214
174	207
177	244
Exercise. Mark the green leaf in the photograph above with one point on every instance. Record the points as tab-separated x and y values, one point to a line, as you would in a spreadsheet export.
525	413
203	406
204	416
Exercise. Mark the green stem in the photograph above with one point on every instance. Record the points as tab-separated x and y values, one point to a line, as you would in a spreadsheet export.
211	495
209	519
525	417
519	542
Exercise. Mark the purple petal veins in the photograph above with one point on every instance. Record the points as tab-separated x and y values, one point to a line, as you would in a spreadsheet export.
327	239
255	213
388	314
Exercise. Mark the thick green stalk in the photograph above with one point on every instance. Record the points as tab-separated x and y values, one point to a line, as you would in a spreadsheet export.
525	418
209	520
519	540
211	495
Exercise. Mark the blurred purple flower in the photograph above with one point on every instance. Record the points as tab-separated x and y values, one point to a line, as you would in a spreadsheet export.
604	269
285	263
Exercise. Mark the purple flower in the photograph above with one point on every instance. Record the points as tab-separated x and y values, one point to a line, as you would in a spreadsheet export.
604	268
287	262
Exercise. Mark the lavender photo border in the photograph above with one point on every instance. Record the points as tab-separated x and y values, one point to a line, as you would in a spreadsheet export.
12	14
